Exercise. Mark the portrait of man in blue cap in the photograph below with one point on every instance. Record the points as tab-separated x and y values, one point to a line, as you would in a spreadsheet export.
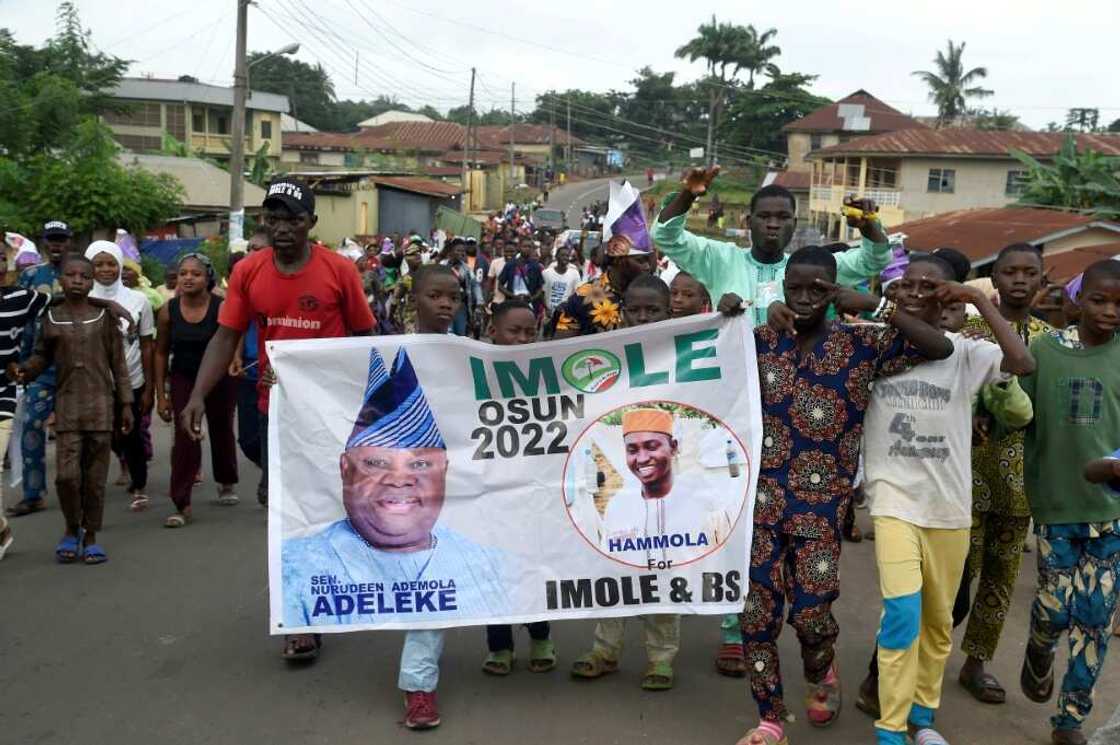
389	559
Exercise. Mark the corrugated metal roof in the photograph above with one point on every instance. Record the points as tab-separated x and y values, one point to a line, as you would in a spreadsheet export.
1064	266
967	143
417	185
882	118
980	233
523	134
154	89
793	180
205	185
486	157
319	141
428	136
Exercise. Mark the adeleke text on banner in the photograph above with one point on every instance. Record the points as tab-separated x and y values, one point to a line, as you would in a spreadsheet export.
434	481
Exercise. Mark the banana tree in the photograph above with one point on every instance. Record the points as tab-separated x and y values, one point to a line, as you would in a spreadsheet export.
1077	179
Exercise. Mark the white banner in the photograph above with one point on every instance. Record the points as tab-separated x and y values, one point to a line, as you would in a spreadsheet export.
431	481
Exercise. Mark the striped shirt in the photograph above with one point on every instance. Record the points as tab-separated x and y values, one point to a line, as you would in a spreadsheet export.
19	307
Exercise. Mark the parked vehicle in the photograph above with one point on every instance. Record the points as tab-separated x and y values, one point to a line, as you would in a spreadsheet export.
550	219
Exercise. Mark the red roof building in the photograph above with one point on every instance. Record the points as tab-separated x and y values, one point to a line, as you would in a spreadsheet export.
969	143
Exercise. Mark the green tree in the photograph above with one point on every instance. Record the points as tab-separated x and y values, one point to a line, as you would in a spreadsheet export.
308	88
1077	179
1083	120
755	118
86	183
1115	126
950	86
727	50
994	120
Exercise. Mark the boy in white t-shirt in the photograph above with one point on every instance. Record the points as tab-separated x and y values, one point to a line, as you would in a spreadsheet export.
560	280
918	450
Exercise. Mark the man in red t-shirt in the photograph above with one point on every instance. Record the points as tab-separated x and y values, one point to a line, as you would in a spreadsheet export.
295	290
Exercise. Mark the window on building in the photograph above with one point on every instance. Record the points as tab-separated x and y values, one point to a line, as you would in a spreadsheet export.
814	142
1016	183
306	157
198	120
222	125
266	130
942	180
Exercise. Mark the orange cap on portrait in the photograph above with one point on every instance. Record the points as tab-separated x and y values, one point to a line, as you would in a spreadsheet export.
647	420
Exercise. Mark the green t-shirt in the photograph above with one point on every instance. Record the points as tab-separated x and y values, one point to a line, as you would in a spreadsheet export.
1076	395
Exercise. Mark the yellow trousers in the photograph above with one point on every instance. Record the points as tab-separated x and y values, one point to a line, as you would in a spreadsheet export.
919	574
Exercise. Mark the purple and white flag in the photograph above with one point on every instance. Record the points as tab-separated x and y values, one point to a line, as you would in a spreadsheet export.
626	219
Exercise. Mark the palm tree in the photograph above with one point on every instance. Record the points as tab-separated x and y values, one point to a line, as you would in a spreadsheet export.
727	50
949	87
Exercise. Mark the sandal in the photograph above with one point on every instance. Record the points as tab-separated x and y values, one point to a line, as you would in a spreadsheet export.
731	661
26	508
139	503
227	498
1037	687
1068	737
868	699
823	700
760	736
6	537
499	663
593	665
178	520
984	687
67	549
295	651
928	736
94	554
542	656
658	677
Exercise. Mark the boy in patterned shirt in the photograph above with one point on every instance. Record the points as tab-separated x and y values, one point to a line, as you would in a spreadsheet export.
815	377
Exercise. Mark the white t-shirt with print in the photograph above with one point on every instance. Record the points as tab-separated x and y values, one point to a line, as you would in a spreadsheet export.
917	439
559	287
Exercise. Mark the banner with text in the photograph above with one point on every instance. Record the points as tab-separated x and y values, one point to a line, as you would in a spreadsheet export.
430	481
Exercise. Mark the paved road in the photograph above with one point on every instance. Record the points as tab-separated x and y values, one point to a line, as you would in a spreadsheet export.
168	644
573	197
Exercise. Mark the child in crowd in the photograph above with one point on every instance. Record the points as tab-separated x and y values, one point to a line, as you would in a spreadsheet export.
918	479
514	322
646	300
85	344
815	377
1076	396
687	297
437	296
1001	515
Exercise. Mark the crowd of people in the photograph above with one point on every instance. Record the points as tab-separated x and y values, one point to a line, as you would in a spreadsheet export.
958	415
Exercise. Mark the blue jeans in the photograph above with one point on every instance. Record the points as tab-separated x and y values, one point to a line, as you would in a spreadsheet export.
38	404
420	660
459	322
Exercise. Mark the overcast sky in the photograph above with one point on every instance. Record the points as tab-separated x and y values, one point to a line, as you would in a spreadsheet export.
1042	57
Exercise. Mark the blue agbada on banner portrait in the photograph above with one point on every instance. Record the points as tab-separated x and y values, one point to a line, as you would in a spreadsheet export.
434	481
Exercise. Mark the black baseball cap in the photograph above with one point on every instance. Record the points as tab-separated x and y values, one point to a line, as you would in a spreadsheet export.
456	241
291	193
57	228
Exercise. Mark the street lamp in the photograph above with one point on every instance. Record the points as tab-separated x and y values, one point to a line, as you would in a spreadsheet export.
237	128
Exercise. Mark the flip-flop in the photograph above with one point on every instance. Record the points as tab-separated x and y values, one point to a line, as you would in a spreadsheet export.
984	687
176	521
140	503
227	499
593	665
498	663
929	736
1038	688
1067	737
26	508
763	736
67	549
303	655
6	540
659	677
542	655
94	554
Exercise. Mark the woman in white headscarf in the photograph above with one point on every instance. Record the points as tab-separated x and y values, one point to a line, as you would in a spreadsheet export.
138	337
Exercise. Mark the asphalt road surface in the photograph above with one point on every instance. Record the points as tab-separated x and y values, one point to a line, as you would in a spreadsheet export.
168	644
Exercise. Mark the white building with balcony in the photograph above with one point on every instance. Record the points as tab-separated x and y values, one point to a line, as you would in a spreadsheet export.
917	173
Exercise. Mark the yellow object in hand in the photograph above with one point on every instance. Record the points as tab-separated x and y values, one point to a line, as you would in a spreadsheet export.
855	213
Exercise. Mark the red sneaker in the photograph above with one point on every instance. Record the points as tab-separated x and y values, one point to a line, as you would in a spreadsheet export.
420	710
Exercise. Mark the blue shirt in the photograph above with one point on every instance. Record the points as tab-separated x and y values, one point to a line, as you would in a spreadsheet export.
812	421
43	278
335	577
249	353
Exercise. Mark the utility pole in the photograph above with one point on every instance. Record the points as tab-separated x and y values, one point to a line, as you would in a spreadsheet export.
512	122
467	150
237	129
551	143
568	145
